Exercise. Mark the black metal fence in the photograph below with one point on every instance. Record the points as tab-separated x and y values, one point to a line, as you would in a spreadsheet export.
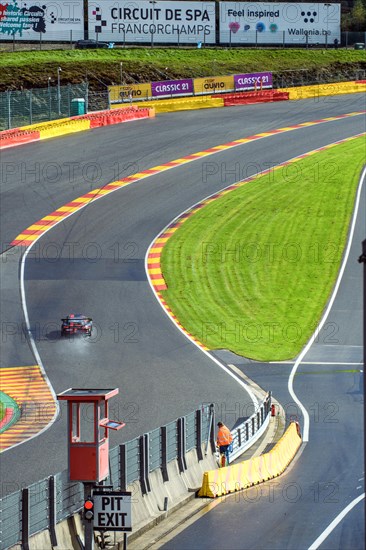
67	40
44	504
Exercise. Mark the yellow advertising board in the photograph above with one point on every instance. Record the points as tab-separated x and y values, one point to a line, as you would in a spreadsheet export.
213	84
129	92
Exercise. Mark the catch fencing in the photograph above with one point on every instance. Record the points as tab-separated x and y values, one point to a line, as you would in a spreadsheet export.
67	40
44	504
24	107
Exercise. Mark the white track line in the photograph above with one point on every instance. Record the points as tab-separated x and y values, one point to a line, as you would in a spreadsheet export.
35	353
335	522
327	311
211	357
24	304
304	351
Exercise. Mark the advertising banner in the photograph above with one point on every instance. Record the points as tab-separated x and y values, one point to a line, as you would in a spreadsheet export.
271	23
45	20
152	21
130	92
253	81
213	84
172	87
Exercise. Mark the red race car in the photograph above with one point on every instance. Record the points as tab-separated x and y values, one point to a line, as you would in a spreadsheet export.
74	323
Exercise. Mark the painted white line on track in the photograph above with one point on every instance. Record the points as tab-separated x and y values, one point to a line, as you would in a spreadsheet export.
35	353
316	363
211	357
335	522
327	311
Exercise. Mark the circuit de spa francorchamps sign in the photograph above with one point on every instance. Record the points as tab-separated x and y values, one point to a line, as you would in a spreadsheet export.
143	21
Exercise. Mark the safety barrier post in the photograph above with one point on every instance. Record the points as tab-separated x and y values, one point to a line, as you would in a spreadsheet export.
52	510
239	437
181	444
142	456
212	428
164	454
123	467
25	519
199	435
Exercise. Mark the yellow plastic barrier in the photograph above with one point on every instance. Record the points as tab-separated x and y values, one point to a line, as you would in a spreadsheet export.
182	104
256	470
319	90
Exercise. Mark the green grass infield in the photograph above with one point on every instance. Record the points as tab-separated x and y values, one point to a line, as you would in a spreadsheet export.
252	271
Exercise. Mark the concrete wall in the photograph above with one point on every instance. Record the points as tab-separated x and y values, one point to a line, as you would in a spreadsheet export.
147	510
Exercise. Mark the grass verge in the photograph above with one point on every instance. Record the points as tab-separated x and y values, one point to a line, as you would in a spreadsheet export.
252	271
33	68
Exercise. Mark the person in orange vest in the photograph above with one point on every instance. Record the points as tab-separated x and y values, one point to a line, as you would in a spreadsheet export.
224	439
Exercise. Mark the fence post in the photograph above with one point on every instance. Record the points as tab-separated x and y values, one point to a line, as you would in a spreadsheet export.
69	98
87	97
8	97
49	100
147	460
30	107
144	463
52	510
181	424
199	434
164	453
25	519
212	428
123	467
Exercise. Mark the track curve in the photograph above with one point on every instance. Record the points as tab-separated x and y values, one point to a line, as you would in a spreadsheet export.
158	373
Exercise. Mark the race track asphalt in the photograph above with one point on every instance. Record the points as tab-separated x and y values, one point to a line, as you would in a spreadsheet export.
160	374
291	512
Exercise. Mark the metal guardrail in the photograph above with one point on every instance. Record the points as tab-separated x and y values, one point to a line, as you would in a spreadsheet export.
43	504
251	429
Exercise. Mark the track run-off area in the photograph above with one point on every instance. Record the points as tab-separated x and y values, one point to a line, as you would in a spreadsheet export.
92	261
